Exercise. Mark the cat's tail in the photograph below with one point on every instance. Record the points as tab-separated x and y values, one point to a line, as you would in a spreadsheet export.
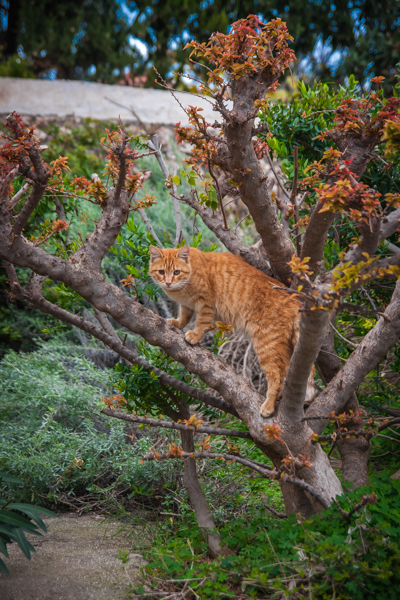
311	389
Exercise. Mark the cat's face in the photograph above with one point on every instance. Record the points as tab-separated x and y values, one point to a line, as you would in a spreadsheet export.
170	267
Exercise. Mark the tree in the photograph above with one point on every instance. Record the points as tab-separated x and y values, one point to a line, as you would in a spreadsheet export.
360	38
80	40
91	40
294	230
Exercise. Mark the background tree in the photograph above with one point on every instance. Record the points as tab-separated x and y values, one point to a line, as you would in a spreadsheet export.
335	40
80	40
320	197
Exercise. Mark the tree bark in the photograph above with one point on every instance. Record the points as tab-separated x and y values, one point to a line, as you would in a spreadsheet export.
354	452
197	497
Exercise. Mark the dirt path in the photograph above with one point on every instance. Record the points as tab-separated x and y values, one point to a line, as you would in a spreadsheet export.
75	560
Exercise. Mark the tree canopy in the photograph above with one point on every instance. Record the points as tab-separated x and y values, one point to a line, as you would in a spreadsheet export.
92	40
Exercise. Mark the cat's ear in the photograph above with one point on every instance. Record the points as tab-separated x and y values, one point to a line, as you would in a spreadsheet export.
183	253
155	253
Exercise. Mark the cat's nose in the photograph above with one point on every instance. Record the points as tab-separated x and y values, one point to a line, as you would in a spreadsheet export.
168	283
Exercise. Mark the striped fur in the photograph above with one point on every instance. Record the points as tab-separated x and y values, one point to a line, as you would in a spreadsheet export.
221	286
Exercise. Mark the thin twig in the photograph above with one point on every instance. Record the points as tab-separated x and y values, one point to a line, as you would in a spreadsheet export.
293	196
369	297
179	426
342	336
177	209
16	198
272	510
147	223
242	219
276	176
276	556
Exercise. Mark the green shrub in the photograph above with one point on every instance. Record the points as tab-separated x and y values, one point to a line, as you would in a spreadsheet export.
50	422
322	557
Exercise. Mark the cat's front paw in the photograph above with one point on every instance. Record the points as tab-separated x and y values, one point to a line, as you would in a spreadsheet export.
174	322
267	410
192	337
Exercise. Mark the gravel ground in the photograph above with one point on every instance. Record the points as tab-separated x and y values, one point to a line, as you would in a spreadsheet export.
75	560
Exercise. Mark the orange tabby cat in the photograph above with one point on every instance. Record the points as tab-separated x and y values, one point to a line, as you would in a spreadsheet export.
222	286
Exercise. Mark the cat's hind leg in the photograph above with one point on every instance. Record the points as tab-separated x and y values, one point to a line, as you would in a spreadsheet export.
274	361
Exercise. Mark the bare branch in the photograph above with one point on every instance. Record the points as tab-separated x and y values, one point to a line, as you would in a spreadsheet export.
153	144
253	186
370	499
390	225
268	474
230	240
369	242
312	331
394	249
272	510
178	426
351	344
148	225
112	342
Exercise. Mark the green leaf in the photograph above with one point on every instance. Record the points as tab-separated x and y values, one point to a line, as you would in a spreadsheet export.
10	518
23	543
33	513
176	179
9	478
3	568
132	270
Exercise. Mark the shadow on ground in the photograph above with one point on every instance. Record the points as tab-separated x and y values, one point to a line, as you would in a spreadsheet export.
75	560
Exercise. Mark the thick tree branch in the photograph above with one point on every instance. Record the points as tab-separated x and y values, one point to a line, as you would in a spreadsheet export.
357	149
229	239
390	225
115	344
375	345
243	164
369	243
312	331
256	195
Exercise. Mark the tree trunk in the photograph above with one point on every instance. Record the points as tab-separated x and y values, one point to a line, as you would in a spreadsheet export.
354	452
205	519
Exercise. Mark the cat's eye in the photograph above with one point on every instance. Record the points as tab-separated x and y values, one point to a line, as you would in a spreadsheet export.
161	272
176	272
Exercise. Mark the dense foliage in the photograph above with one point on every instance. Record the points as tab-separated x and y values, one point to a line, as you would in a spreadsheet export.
92	40
322	557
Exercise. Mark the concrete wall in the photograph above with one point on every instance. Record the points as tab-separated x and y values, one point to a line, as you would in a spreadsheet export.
82	99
